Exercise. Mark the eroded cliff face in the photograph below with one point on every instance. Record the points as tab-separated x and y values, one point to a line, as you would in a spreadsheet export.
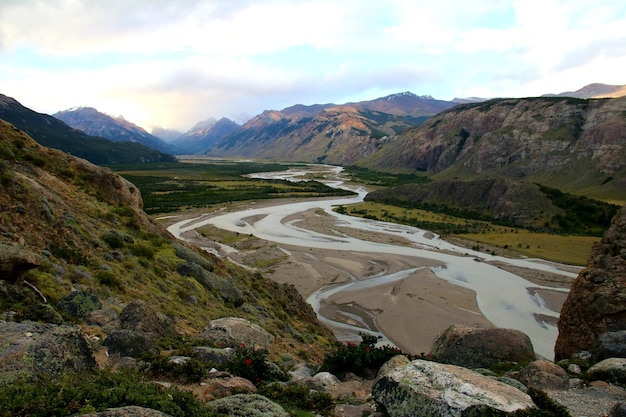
597	300
581	141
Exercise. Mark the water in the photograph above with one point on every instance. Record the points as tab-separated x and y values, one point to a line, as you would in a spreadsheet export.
503	297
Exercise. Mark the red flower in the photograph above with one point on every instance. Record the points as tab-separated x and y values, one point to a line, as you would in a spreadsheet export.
367	348
242	345
248	362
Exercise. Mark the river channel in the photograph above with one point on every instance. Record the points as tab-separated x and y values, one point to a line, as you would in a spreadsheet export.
504	298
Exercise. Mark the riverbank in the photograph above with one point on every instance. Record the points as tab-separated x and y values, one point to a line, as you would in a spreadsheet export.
411	311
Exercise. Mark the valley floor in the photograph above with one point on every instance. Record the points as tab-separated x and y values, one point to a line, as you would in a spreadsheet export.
411	311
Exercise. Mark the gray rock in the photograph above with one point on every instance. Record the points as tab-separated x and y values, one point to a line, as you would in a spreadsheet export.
321	381
473	347
611	370
609	345
191	255
79	303
247	405
574	369
213	355
544	375
225	289
29	349
234	331
618	410
425	388
129	343
141	317
514	383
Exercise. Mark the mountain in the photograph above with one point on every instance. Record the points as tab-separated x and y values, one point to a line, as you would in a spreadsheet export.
167	135
573	145
595	90
118	129
51	132
204	135
329	133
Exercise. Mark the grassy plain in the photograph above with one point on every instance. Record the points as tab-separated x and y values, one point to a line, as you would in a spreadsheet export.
484	236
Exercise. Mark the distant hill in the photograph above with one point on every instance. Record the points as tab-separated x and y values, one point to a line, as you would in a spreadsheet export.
329	133
595	90
570	144
204	135
117	129
51	132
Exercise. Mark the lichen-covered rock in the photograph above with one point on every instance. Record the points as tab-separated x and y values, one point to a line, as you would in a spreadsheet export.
226	290
141	317
322	381
596	302
425	388
213	355
215	388
79	303
129	343
247	405
29	349
130	411
192	256
474	347
544	375
612	369
233	331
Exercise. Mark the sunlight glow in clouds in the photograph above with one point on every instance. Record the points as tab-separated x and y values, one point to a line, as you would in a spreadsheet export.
172	64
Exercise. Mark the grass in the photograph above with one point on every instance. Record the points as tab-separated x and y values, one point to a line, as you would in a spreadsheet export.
488	237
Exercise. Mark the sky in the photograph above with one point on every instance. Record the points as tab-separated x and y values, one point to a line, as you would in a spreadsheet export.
173	63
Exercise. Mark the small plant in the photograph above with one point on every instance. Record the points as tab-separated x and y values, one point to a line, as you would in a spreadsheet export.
298	398
253	365
363	359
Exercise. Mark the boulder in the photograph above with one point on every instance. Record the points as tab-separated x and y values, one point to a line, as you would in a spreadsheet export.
235	331
129	343
544	375
215	388
79	303
130	411
16	261
618	410
143	318
612	370
247	405
30	349
425	388
473	347
596	302
321	381
226	290
217	356
609	345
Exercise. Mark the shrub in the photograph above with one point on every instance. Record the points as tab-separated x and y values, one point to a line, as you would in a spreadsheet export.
298	397
253	365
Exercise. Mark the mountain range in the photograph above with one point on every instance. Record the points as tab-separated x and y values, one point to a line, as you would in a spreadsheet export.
52	132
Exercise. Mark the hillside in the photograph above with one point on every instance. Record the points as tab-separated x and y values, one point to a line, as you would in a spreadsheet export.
68	225
51	132
117	129
329	133
573	145
595	90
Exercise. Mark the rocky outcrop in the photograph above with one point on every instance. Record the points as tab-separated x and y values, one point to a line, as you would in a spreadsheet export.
80	303
29	350
424	388
597	300
16	261
234	331
474	347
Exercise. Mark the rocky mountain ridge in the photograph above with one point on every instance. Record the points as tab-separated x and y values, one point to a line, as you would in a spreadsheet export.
204	135
117	129
51	132
570	144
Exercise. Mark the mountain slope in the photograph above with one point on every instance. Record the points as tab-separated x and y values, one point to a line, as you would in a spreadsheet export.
53	133
595	90
80	227
204	135
570	144
95	123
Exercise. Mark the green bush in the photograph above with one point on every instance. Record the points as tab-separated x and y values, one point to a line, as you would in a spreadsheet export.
98	391
363	359
298	398
253	365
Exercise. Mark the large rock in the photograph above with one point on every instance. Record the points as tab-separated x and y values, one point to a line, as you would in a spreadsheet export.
141	317
612	370
79	303
425	388
234	331
609	345
129	343
597	300
16	261
473	347
544	375
29	349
